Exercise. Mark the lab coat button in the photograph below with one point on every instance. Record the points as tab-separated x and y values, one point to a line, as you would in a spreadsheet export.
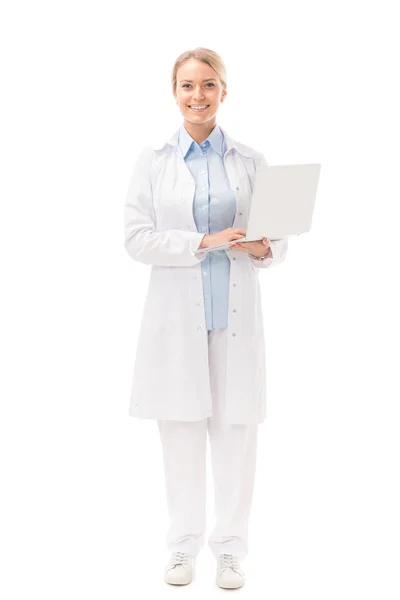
234	310
240	214
234	285
233	334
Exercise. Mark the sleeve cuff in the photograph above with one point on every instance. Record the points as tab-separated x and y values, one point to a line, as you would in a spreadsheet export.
194	245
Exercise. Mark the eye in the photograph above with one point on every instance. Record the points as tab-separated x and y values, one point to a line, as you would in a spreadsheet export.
212	84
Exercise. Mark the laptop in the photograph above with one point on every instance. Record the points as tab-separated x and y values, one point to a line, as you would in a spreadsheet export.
282	203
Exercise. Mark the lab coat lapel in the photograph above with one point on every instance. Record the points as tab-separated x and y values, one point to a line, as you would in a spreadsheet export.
235	171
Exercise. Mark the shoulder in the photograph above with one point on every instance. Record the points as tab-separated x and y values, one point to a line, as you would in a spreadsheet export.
244	150
144	158
145	154
247	152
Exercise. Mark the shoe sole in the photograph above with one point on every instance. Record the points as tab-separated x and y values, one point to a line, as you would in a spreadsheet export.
230	587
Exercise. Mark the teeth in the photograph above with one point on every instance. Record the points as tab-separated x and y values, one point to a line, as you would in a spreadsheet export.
198	107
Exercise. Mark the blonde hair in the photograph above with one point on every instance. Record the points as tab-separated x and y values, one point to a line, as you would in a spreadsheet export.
209	57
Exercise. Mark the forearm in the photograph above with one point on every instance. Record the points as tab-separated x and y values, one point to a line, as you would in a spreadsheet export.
169	248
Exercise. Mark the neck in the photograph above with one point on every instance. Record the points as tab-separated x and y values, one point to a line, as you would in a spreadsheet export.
199	132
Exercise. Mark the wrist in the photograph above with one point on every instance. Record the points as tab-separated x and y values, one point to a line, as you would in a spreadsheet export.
203	243
268	254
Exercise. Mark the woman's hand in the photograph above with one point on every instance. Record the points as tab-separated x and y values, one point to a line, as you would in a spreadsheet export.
222	237
260	248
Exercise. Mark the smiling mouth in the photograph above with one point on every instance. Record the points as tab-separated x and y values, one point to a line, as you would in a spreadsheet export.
198	109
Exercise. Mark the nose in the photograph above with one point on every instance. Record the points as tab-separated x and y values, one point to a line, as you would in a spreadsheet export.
198	94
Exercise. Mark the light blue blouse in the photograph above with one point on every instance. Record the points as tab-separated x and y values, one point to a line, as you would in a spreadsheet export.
214	209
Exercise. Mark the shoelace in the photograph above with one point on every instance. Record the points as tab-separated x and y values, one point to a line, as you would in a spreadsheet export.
228	561
179	558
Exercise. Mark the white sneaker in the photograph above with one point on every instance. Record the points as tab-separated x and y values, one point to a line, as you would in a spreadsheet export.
179	570
229	573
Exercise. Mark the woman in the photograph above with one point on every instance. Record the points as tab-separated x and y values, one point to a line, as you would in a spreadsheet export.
200	361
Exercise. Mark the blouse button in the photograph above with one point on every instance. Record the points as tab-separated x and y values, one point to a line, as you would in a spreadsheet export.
234	334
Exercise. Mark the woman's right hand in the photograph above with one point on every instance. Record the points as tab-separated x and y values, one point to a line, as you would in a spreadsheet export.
222	237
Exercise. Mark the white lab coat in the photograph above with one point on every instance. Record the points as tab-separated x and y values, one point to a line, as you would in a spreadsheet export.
171	372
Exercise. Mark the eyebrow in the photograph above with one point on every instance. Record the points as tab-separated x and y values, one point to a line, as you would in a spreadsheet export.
191	81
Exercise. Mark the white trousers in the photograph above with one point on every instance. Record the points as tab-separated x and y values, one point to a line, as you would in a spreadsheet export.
233	459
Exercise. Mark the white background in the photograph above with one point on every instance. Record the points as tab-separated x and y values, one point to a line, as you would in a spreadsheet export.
85	86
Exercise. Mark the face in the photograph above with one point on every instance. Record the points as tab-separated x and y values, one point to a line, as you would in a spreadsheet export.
198	85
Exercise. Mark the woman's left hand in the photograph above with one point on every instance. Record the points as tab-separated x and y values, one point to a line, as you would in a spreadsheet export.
256	248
